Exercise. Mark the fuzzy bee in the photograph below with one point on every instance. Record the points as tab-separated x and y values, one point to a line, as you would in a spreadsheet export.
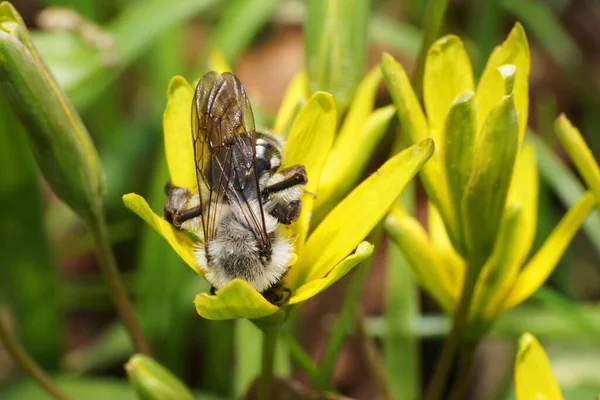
243	199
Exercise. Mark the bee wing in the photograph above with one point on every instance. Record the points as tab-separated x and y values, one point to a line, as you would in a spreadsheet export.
225	154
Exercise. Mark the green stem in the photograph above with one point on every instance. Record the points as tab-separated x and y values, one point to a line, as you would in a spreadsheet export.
466	360
268	361
434	16
342	326
374	363
110	272
444	364
27	363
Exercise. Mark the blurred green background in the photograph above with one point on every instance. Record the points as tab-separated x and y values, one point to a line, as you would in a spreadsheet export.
114	59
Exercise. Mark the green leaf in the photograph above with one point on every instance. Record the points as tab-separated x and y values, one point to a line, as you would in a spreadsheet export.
355	216
457	143
152	381
533	376
59	140
485	195
336	46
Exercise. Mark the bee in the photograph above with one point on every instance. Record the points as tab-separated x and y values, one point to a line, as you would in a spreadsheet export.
243	200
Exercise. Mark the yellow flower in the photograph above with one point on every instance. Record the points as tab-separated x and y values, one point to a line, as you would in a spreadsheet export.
482	182
533	376
327	247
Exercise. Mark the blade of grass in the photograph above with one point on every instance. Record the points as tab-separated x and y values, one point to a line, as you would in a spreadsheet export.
335	40
401	37
432	24
239	24
133	31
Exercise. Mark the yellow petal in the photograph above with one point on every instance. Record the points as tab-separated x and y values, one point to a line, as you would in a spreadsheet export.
414	125
178	134
426	264
447	73
491	88
355	216
312	288
217	62
338	174
294	97
580	153
523	191
308	144
236	300
542	264
409	110
362	104
533	376
454	265
181	243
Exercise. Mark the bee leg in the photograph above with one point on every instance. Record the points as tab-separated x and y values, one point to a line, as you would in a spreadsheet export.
286	179
277	294
172	211
286	213
213	290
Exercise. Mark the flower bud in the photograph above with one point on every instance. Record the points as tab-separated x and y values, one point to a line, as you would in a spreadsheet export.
58	139
152	381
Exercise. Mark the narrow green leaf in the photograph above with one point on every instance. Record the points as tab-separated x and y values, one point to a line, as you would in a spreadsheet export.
458	141
336	46
485	195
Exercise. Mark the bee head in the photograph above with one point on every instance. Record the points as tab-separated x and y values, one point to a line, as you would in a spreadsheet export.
269	152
